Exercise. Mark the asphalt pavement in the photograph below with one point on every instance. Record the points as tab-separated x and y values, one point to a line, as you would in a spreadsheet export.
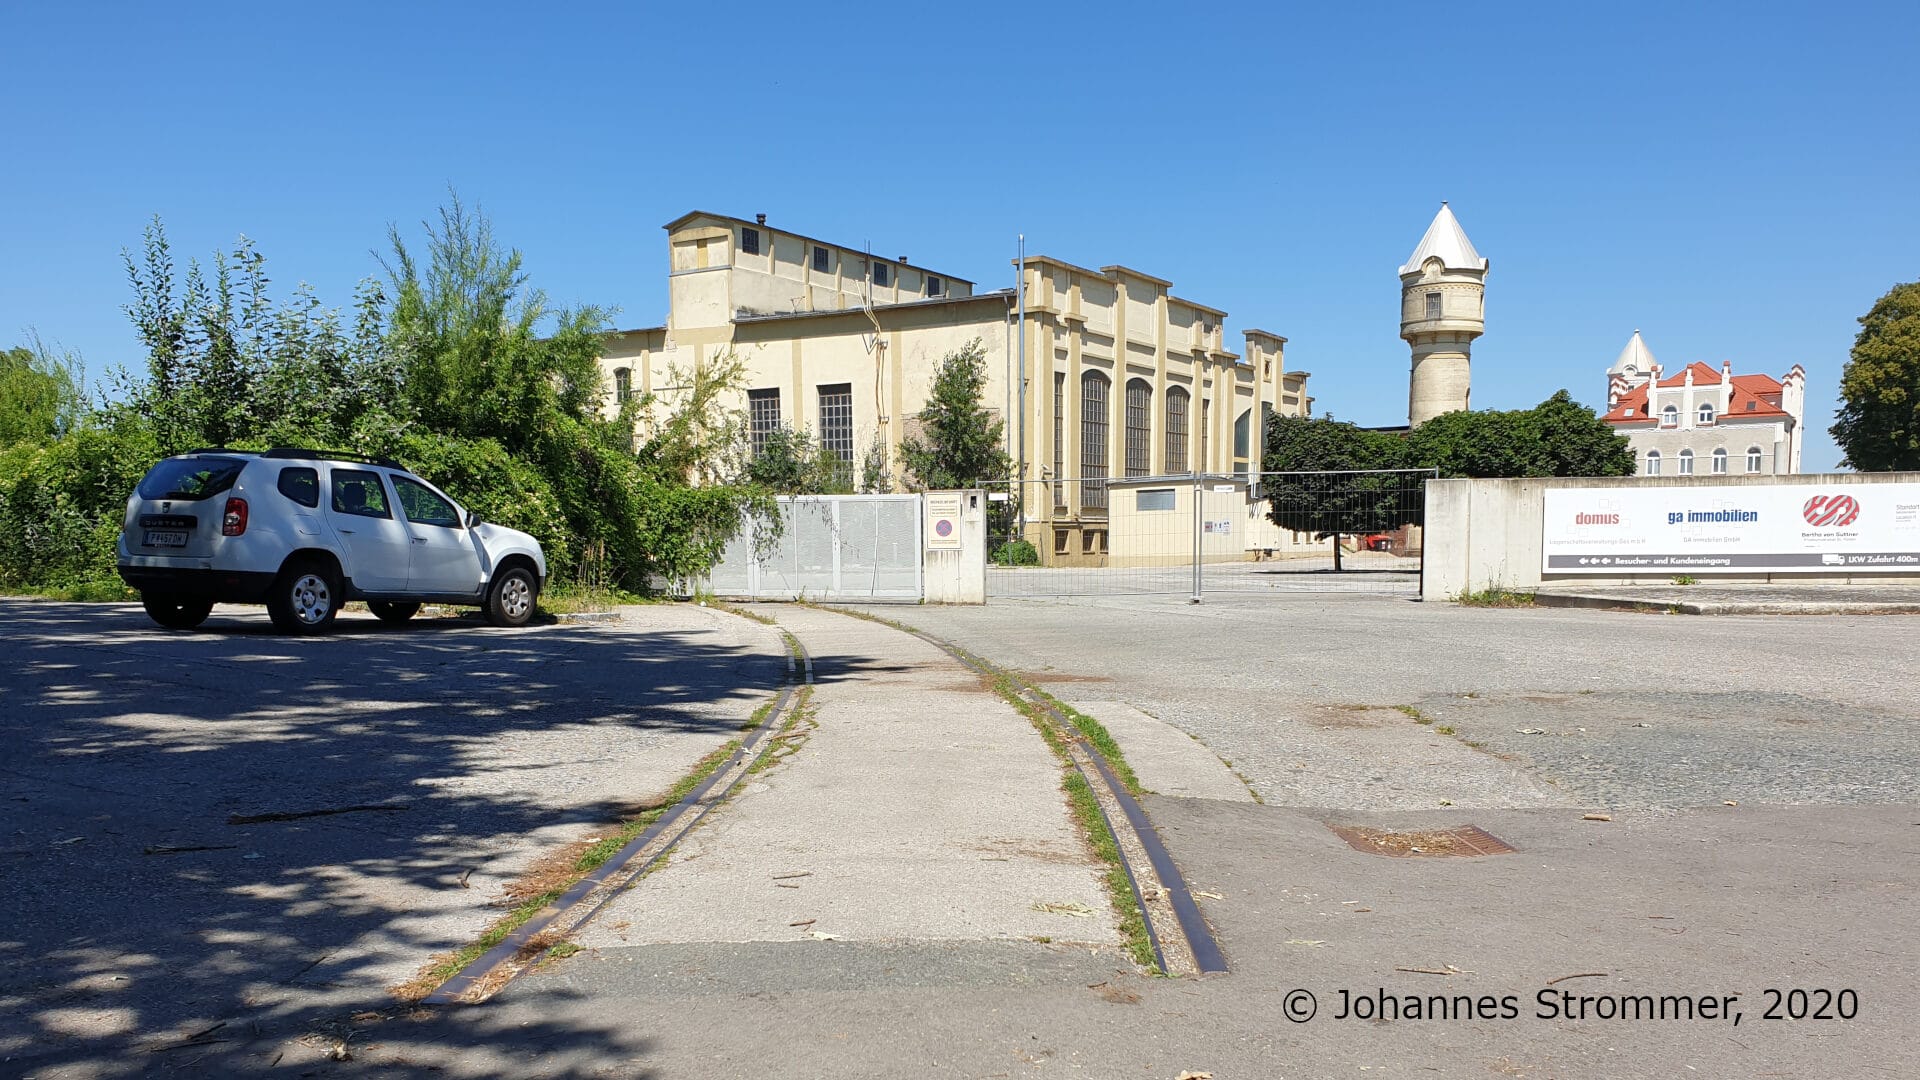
233	830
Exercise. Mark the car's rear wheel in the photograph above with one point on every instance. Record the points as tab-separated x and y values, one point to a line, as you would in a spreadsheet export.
511	599
304	599
175	612
387	611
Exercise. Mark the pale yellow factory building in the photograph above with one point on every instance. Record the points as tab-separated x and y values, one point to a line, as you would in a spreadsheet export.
1122	378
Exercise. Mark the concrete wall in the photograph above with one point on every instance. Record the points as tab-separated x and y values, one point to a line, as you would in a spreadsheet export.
1487	533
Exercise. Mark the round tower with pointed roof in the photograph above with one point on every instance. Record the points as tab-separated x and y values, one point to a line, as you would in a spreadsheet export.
1442	309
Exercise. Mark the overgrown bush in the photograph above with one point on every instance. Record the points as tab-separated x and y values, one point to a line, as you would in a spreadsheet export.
1016	553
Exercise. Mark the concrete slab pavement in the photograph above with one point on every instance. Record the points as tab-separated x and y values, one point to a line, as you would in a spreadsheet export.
1166	760
921	808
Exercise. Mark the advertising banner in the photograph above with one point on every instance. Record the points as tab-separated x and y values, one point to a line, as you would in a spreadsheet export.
1774	529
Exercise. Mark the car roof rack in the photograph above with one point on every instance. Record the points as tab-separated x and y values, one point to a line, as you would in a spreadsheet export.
333	455
214	450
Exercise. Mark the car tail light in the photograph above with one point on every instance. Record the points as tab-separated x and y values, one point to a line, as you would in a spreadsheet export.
234	522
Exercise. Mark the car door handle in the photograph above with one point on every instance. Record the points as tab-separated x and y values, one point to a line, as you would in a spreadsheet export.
347	532
419	539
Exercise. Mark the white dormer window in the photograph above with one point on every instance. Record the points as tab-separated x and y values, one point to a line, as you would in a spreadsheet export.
1653	463
1706	414
1670	416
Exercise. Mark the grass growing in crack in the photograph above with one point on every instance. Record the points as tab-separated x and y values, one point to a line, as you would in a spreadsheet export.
777	752
596	856
1495	598
563	950
1414	714
1085	808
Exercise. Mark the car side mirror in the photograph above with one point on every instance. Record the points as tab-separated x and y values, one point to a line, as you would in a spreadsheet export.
473	519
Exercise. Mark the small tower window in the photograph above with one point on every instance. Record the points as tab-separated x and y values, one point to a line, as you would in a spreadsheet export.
1720	460
1653	463
1433	305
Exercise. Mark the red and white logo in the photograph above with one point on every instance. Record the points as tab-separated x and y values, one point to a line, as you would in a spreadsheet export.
1831	510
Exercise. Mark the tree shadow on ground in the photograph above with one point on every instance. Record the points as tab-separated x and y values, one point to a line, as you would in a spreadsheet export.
156	891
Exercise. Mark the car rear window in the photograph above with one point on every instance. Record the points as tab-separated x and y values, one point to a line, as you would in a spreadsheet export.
302	485
191	479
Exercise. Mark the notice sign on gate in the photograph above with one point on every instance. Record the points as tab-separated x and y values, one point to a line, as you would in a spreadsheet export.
1784	528
943	521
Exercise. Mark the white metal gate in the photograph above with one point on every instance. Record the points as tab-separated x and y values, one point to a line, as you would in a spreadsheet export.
832	547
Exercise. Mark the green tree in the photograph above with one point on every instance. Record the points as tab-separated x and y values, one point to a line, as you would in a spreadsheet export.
1320	481
959	442
227	367
1558	437
1878	424
39	393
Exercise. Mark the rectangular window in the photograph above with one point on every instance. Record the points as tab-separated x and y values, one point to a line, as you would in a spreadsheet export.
936	287
1753	459
822	261
763	417
836	426
882	274
622	384
1153	499
1433	305
1176	431
749	241
359	493
1059	439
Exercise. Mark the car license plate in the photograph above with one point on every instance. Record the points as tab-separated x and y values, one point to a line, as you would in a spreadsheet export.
166	538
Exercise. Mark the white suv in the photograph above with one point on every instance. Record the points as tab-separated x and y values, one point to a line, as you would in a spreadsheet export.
305	531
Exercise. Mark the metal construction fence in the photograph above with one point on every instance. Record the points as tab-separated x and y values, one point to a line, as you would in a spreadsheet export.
1199	533
831	547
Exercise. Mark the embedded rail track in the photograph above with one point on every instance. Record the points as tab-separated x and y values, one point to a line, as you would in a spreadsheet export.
1181	940
522	948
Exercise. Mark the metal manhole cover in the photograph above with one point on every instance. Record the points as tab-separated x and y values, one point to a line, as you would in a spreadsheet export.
1466	841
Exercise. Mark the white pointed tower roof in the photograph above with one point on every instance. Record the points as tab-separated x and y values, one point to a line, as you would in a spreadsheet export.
1446	240
1636	356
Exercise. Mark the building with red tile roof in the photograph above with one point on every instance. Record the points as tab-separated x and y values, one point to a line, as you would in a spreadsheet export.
1704	420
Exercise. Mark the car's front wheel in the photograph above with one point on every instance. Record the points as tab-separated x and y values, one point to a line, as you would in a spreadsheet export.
304	599
387	611
511	599
175	612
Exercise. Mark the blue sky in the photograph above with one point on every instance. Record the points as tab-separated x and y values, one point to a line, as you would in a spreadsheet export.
1736	181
